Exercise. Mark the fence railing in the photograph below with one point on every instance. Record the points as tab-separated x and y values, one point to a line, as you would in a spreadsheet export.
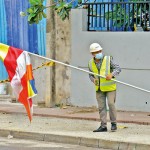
118	16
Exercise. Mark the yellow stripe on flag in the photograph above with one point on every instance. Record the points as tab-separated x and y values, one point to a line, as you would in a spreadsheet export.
3	51
30	91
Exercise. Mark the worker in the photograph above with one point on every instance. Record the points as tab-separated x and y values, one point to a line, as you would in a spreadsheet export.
105	87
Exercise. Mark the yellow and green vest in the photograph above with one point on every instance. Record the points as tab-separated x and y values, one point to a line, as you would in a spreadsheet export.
105	85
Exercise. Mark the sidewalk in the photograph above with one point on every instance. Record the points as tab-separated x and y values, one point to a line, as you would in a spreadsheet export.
75	126
78	113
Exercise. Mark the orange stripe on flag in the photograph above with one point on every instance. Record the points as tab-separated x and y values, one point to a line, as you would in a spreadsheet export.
29	72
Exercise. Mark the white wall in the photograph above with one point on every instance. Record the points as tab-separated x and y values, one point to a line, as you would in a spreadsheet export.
131	50
40	78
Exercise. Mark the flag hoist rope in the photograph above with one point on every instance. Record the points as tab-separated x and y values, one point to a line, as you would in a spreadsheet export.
77	68
50	63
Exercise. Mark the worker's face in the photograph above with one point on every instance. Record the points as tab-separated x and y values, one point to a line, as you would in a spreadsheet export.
94	53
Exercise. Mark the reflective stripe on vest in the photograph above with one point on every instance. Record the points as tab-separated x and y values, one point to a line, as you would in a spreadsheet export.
105	85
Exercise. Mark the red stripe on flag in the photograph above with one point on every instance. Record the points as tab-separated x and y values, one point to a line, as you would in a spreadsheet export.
10	61
23	96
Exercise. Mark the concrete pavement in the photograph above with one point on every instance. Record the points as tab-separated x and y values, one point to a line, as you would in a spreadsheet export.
75	126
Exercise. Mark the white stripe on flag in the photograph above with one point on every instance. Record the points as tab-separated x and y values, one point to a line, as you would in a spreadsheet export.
20	71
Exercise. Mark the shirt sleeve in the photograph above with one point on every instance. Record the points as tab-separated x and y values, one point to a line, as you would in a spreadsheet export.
115	67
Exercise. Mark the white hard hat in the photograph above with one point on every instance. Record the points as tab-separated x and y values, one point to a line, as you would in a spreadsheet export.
95	47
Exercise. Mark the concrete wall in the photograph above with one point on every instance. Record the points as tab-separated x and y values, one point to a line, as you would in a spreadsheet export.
40	79
129	49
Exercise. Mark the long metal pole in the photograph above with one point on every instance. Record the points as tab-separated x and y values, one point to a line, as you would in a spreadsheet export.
77	68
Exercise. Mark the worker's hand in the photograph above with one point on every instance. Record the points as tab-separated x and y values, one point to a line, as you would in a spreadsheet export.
96	82
109	76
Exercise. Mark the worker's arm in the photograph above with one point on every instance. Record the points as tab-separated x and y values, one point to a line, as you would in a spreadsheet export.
115	69
93	79
91	76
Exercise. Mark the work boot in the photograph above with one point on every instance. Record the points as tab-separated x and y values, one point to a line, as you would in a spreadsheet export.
101	129
113	126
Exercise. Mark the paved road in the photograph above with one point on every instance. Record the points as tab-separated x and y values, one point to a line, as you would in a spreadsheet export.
18	144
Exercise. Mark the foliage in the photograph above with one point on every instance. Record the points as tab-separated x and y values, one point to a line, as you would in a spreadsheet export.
63	10
119	17
35	12
124	19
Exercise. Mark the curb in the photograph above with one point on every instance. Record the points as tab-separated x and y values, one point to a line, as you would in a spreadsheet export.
83	141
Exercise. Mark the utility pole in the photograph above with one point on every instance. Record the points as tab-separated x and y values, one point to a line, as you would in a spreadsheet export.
50	53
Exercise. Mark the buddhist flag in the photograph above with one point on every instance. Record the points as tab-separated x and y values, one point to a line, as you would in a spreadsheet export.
19	68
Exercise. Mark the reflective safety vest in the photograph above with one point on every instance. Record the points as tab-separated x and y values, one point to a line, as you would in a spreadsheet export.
105	85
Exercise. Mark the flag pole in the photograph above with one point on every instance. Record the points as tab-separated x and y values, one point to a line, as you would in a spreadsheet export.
83	70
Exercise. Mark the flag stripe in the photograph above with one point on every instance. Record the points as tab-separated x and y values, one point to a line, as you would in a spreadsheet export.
23	96
31	92
3	51
19	73
10	61
32	84
29	71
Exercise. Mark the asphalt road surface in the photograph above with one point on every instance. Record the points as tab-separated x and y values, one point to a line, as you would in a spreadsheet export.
20	144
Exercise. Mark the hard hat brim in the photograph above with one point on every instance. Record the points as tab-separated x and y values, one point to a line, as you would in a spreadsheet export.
96	50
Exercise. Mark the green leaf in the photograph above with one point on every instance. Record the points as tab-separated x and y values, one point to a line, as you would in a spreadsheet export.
29	17
35	9
37	21
34	2
44	15
40	16
79	1
30	10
